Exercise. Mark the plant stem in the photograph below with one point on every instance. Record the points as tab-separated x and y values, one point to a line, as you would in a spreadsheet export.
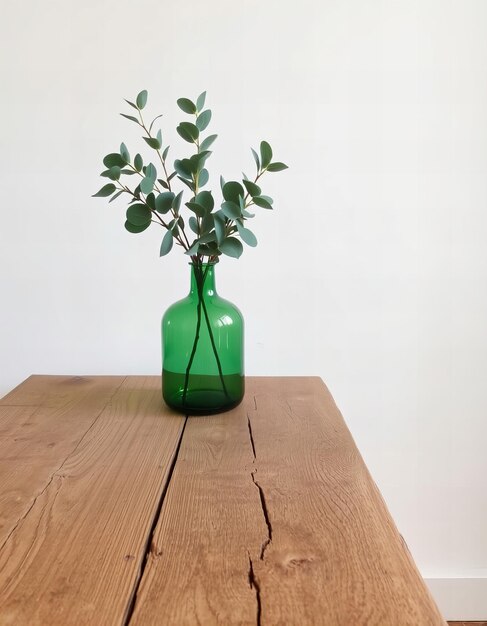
214	349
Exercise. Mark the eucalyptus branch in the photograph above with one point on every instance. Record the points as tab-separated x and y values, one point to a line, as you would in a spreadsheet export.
220	228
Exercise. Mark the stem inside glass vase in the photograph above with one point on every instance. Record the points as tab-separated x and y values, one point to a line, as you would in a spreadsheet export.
200	276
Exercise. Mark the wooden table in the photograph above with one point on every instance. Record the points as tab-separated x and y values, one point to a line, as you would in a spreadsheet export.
116	510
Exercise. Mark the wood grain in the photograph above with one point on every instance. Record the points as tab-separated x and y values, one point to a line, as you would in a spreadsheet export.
211	520
41	423
74	557
272	518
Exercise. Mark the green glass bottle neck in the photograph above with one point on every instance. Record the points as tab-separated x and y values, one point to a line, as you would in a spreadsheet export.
207	277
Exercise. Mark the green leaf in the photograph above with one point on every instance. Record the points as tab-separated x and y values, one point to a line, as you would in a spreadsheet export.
247	214
119	193
231	247
132	228
207	223
194	248
166	244
268	198
164	154
252	188
151	172
105	191
232	190
113	159
265	153
163	183
164	202
141	100
247	236
219	228
206	143
256	158
176	203
113	173
200	102
146	185
231	210
262	202
196	208
130	117
208	237
188	183
276	167
153	142
124	153
138	214
151	201
159	137
203	178
152	123
128	172
186	105
205	199
182	168
189	132
193	224
131	104
203	120
138	162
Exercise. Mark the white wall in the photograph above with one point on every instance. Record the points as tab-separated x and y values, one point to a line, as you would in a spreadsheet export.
372	270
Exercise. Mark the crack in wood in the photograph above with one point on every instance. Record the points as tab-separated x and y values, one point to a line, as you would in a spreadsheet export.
55	473
150	546
256	587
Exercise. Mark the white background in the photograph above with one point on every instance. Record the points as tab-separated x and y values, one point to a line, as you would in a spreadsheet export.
371	272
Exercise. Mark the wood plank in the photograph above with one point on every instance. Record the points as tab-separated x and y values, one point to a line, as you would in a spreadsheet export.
323	548
336	556
75	557
211	520
36	439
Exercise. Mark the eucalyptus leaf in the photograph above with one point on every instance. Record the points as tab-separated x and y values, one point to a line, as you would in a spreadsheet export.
231	210
132	228
138	162
113	159
205	199
262	202
164	154
231	247
193	249
276	167
188	183
182	169
130	117
197	208
265	153
138	214
207	223
219	228
203	177
166	245
164	202
151	201
141	100
203	120
256	158
146	185
159	137
119	193
153	142
151	172
206	143
105	191
189	132
232	190
193	224
247	236
176	203
252	188
124	153
186	105
200	102
128	172
131	104
113	173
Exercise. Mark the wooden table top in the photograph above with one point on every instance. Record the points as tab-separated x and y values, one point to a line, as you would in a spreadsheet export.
116	510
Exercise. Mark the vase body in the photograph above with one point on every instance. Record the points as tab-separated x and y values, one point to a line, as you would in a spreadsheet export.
202	349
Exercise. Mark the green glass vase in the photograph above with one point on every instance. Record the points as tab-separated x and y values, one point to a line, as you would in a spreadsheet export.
202	349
